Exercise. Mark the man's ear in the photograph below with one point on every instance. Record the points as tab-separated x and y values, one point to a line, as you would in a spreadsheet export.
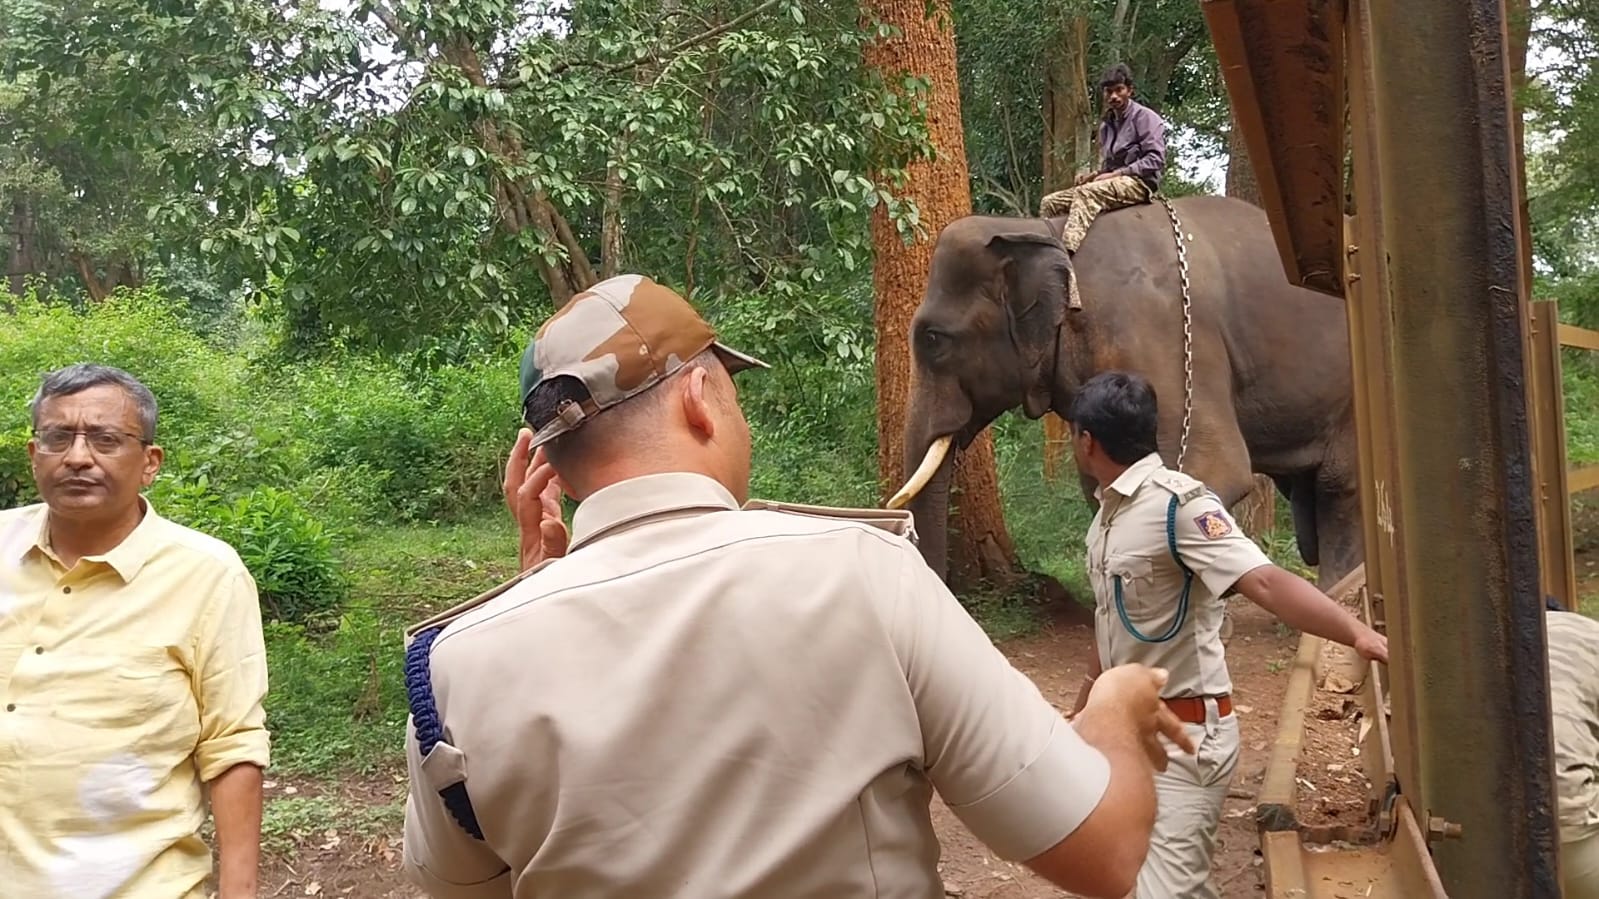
697	402
153	455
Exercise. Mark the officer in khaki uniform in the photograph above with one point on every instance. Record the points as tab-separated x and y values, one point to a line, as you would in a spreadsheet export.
1574	701
1162	551
700	696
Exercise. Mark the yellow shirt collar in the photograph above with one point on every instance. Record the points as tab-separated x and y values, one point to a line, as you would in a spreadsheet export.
127	557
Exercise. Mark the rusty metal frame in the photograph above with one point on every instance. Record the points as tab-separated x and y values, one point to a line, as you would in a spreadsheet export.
1376	412
1387	857
1454	296
1573	336
1438	316
1288	57
1276	801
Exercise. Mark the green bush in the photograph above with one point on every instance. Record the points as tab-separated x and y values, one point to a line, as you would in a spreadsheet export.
431	444
289	552
813	417
138	331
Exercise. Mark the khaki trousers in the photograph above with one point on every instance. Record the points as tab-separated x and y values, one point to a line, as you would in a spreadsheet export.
1579	868
1081	204
1188	797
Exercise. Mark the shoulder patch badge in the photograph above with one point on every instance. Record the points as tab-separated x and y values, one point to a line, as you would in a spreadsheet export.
1214	525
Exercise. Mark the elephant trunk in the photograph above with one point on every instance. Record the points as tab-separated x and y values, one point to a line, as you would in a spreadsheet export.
927	494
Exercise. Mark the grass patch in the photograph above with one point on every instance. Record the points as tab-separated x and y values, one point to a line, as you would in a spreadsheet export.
337	698
288	822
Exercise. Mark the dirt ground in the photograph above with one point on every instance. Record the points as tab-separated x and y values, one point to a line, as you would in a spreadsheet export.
352	860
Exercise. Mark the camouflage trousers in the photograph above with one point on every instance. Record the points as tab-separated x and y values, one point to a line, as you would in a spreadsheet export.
1082	203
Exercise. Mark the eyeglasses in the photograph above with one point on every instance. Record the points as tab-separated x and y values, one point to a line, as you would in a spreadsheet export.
103	443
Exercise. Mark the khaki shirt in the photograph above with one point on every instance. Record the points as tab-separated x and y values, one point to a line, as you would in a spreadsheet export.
703	702
1574	698
126	682
1127	538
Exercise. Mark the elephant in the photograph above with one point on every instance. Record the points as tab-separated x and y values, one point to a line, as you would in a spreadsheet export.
1272	384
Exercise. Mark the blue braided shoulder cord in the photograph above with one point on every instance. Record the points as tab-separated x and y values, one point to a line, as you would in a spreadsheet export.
1182	600
429	730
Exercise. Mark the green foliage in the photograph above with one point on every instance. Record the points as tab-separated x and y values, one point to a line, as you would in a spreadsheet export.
812	417
137	331
391	174
288	551
336	701
289	821
431	444
1581	386
1046	519
77	172
1008	51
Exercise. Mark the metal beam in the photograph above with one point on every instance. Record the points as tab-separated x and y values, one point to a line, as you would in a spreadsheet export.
1582	479
1556	567
1284	69
1582	338
1276	803
1377	418
1478	677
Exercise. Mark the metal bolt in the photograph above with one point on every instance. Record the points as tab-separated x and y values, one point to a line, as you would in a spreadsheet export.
1441	829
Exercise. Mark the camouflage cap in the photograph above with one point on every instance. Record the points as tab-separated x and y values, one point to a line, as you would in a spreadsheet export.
619	338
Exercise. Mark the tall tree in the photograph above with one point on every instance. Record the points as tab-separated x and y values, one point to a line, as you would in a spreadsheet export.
1069	147
394	173
1242	182
920	41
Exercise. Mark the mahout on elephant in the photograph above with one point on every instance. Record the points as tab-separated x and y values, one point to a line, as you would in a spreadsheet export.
1252	372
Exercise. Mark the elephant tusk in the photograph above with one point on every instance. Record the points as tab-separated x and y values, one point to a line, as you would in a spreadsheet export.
924	472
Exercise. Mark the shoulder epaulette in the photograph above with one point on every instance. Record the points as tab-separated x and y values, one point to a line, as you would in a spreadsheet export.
442	619
1185	488
898	522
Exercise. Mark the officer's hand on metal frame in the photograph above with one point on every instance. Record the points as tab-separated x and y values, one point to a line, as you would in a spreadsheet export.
533	494
1372	646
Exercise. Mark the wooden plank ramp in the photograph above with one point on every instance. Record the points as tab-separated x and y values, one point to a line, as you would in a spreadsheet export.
1387	857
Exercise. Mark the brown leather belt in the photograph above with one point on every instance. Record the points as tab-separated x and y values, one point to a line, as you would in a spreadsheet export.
1191	709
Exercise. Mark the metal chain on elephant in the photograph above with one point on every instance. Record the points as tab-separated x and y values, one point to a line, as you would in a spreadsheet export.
1188	331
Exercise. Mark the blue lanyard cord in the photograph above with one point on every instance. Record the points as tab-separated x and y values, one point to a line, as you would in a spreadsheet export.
1182	600
429	729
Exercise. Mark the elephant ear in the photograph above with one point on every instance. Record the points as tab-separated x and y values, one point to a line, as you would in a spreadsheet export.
1027	259
1032	272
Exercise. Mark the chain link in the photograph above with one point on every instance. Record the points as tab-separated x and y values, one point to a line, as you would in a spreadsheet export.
1188	332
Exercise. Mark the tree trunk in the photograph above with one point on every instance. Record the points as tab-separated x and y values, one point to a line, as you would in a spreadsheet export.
1241	180
21	264
980	548
1256	512
520	208
1068	148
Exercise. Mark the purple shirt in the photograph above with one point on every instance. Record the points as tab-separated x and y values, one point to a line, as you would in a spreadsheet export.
1134	144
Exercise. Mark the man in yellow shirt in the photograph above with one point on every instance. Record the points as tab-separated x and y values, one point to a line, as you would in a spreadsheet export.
132	668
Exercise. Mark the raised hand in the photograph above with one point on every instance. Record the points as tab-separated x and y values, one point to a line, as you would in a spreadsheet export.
533	494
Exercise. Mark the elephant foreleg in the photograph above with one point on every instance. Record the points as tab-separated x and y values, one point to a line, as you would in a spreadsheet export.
1340	538
1302	501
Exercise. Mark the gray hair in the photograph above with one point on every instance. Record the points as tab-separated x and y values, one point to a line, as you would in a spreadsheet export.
72	379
